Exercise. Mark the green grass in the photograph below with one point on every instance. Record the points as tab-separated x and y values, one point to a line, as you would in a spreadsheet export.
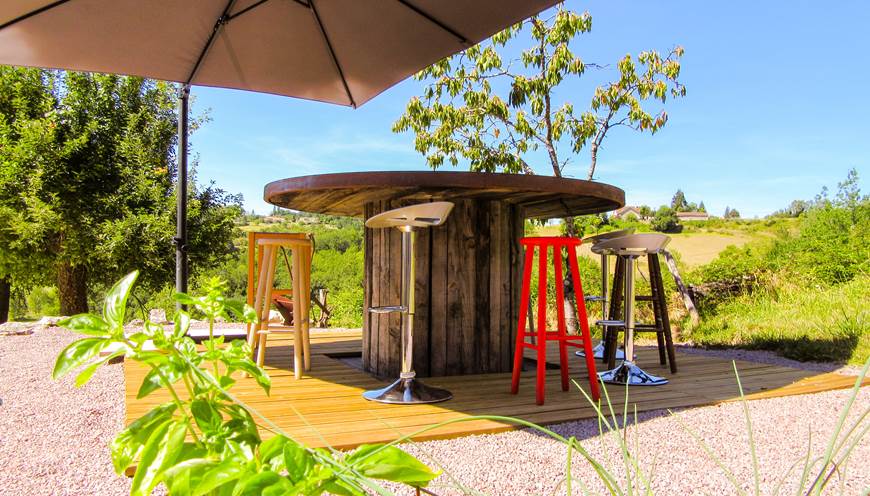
827	323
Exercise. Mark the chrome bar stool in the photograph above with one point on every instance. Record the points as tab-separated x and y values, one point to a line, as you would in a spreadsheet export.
407	390
598	350
628	249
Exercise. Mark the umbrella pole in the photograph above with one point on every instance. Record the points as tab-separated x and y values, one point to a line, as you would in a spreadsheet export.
180	239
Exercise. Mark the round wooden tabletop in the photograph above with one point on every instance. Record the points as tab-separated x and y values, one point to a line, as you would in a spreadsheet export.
346	194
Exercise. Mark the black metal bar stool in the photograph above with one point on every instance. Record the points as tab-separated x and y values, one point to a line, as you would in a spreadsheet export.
406	390
623	297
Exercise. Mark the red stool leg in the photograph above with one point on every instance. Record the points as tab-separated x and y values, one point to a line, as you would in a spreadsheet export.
542	324
584	324
521	325
560	314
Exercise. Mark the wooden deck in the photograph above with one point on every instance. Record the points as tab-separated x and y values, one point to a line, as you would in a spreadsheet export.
325	406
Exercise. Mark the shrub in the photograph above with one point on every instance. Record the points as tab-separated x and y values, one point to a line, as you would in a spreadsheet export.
42	301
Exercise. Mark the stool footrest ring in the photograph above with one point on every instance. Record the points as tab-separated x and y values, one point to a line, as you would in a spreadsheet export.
389	309
610	323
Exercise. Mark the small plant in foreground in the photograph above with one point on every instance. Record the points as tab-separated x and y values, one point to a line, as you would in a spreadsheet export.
204	440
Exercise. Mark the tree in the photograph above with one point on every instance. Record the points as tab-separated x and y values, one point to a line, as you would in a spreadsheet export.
665	220
731	213
678	202
87	182
493	113
702	208
645	212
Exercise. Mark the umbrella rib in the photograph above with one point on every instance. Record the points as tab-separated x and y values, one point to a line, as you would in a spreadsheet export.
462	39
217	26
331	52
246	10
33	13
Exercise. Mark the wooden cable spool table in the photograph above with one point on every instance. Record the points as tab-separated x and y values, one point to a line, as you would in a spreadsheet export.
468	270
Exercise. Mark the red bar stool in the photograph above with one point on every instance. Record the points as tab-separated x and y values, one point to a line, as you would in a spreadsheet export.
583	341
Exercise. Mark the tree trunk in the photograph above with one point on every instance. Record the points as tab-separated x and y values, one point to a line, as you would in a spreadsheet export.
73	289
593	160
5	294
568	284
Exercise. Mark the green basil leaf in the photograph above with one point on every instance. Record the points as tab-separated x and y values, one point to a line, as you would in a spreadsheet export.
147	469
116	300
86	323
77	354
153	381
206	416
390	463
257	483
182	323
298	461
129	442
228	471
85	375
254	371
272	447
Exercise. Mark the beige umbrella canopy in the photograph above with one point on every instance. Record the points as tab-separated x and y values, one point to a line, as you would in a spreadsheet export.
338	51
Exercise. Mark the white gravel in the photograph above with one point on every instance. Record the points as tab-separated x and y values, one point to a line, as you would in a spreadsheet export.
54	439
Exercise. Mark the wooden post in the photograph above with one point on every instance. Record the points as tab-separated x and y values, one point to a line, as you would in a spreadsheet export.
681	287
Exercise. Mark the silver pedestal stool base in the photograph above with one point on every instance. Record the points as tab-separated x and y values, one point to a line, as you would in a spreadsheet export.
408	392
631	374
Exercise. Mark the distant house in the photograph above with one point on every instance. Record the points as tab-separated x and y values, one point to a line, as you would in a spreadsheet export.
692	216
624	212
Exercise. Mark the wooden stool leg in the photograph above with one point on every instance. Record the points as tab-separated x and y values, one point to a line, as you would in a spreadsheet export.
540	383
560	316
306	308
270	256
656	290
585	333
262	276
519	349
298	364
666	320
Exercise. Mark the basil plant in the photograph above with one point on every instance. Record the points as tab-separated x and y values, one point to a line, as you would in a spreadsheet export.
204	441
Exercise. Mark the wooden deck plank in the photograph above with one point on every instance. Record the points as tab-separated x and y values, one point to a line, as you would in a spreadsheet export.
325	408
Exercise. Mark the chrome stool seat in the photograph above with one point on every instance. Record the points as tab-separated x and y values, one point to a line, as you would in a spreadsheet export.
407	390
628	249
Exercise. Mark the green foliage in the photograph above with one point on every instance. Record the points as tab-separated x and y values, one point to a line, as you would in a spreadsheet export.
87	172
42	300
204	441
492	111
802	293
665	220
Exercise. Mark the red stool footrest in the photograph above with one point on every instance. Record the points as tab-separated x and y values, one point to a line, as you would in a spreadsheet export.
583	340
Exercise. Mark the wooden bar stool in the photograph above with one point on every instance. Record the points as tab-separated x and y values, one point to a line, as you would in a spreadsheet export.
584	340
268	246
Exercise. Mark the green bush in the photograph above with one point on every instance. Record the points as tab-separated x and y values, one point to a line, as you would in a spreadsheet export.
42	301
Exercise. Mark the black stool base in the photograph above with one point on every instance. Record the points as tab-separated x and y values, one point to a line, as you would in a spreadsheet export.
408	392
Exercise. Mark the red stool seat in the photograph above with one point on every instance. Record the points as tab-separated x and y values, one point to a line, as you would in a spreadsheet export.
583	341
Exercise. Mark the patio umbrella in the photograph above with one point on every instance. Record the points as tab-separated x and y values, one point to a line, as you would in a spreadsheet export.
337	51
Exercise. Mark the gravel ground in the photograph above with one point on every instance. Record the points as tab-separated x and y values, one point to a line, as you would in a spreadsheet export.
54	437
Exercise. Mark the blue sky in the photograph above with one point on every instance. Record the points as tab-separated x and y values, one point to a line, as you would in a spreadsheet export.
777	106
